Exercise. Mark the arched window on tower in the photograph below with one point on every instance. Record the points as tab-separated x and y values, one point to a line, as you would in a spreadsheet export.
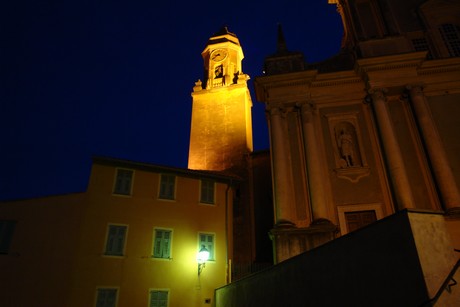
451	35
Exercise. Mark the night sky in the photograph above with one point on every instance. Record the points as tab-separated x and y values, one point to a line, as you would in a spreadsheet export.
114	78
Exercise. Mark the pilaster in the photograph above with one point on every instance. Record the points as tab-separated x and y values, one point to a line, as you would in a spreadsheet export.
282	179
314	170
398	174
444	177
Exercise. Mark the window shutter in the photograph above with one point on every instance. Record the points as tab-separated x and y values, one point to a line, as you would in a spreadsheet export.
207	191
166	240
167	185
123	182
157	248
116	240
120	239
106	297
207	240
158	298
162	244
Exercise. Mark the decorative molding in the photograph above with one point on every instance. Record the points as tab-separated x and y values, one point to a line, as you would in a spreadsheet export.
438	70
336	82
352	174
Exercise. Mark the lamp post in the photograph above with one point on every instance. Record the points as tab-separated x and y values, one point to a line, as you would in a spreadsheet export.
202	257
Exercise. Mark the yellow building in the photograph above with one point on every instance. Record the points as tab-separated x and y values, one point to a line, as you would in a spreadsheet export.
132	238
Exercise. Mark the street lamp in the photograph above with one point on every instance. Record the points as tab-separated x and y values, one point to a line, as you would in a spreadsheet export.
202	257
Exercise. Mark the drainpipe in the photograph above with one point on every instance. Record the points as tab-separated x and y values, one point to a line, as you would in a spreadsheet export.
229	273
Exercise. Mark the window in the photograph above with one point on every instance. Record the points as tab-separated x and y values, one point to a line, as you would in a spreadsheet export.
358	219
106	297
162	244
123	182
420	44
451	36
6	234
350	217
115	240
167	186
159	298
207	240
207	192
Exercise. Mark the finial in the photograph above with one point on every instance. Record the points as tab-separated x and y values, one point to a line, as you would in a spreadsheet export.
281	41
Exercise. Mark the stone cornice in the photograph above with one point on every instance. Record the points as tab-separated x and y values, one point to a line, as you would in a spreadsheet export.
265	85
440	66
391	62
336	79
289	79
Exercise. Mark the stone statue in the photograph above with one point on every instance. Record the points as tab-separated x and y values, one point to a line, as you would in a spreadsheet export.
345	143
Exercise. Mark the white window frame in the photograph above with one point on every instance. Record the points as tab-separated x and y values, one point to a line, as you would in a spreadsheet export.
154	242
125	239
341	210
162	197
160	290
206	202
117	289
212	252
115	191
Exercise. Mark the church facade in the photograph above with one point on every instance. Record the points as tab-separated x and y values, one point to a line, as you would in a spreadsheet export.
369	132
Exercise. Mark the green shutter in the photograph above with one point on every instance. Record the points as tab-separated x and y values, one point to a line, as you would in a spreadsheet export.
158	298
207	191
207	240
106	297
115	240
167	186
123	182
157	246
162	244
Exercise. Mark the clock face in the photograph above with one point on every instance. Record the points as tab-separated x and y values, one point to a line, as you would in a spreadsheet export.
218	55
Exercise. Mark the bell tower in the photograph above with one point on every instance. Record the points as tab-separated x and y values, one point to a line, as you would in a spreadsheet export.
221	127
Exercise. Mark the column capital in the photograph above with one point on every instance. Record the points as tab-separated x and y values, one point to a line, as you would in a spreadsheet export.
378	93
375	90
308	106
274	110
415	89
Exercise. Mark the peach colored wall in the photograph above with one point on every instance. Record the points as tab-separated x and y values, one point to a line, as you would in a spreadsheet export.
37	269
136	272
57	252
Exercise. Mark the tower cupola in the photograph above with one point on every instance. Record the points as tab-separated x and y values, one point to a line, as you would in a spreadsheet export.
222	60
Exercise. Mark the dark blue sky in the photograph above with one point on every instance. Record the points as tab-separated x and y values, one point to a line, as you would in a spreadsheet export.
114	78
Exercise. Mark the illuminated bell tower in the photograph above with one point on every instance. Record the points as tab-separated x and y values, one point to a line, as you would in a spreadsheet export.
221	128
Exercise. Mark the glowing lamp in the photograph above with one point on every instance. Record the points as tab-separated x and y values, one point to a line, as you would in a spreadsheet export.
202	257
